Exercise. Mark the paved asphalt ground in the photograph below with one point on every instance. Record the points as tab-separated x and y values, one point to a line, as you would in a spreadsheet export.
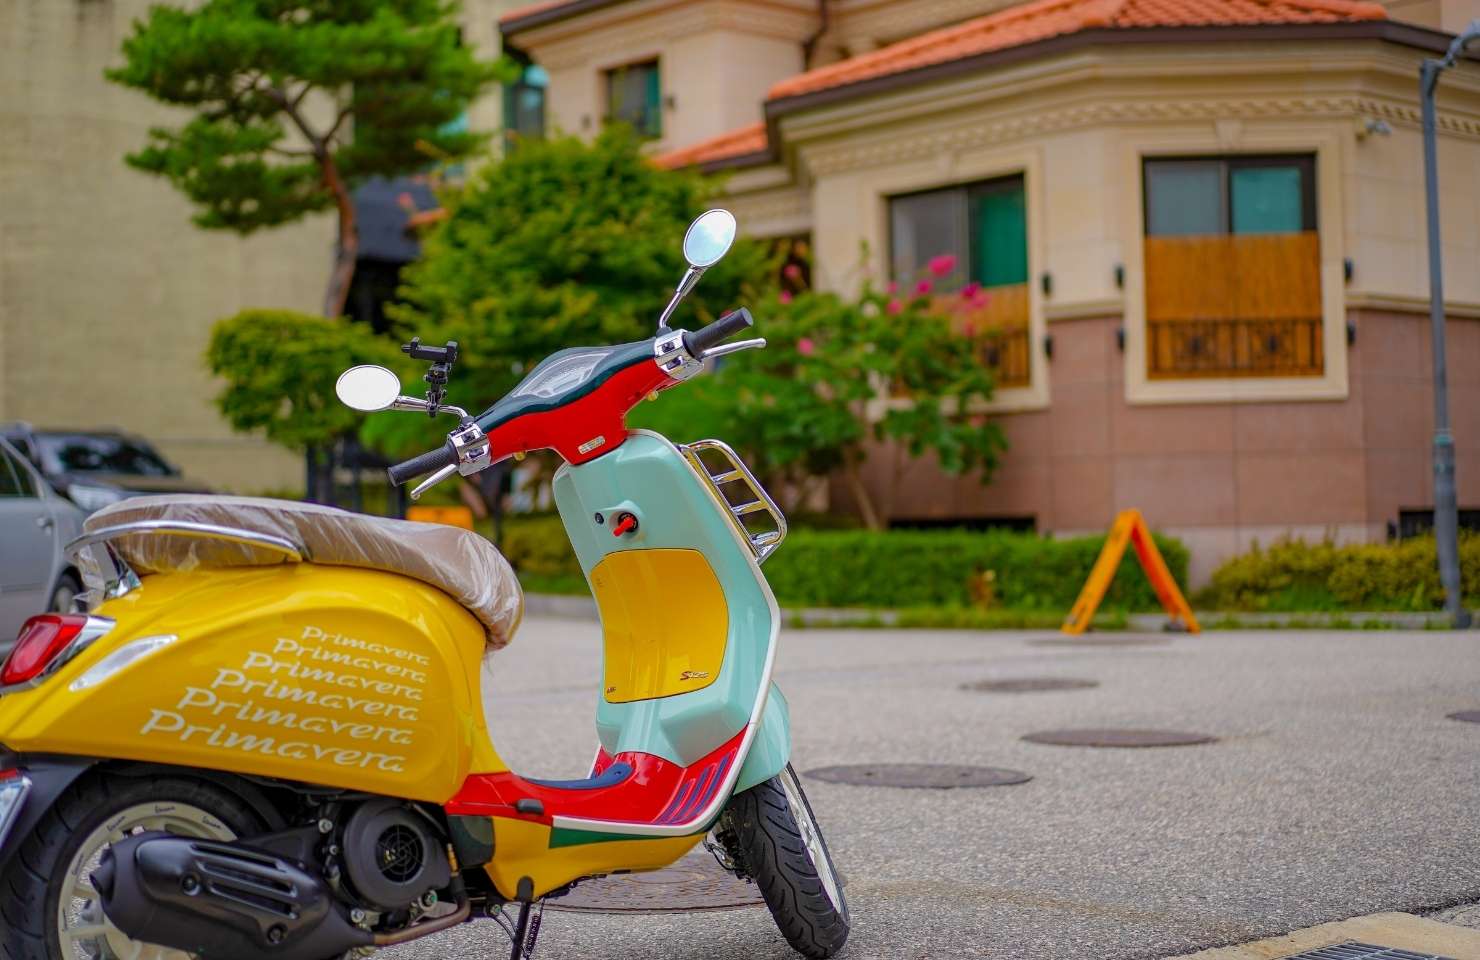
1338	788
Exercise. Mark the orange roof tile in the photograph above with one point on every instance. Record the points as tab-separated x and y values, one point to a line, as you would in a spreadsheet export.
519	13
1042	19
735	143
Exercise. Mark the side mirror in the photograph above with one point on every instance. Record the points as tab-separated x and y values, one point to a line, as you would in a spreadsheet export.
709	238
368	388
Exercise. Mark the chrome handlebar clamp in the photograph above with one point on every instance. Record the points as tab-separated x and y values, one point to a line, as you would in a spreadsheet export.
472	448
672	356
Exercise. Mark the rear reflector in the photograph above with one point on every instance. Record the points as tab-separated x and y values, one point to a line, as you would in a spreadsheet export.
46	642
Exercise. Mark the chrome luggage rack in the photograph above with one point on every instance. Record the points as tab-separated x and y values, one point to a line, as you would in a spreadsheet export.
106	574
735	474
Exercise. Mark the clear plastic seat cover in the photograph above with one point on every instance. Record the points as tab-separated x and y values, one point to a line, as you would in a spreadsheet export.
462	564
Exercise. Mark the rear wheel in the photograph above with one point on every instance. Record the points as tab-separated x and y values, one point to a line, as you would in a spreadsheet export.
49	908
780	845
66	592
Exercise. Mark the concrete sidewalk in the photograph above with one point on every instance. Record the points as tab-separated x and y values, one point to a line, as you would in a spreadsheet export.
1338	788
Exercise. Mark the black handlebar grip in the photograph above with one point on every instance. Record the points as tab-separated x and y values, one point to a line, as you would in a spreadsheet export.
443	456
717	332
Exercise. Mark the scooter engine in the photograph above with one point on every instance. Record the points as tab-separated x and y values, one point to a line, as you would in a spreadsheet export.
221	901
391	856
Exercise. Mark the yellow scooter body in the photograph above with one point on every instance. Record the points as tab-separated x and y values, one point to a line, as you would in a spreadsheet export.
343	677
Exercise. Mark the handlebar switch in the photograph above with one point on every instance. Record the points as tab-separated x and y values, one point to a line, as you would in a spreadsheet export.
472	448
626	523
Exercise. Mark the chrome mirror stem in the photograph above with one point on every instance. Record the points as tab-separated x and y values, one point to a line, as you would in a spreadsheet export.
690	278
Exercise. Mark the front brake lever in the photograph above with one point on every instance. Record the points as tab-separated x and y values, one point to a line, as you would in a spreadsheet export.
725	349
433	480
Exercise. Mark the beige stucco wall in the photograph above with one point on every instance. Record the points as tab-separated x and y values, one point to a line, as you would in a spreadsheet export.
716	60
107	291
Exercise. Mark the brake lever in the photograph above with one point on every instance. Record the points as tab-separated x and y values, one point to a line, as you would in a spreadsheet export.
433	480
725	349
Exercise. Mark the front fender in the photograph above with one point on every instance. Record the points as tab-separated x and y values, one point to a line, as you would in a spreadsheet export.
771	750
50	776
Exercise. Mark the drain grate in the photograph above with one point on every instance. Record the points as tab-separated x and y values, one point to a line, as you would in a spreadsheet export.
1468	716
1351	950
1029	685
1099	642
696	882
926	776
1119	738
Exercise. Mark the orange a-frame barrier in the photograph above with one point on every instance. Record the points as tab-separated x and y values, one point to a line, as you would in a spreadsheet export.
1130	527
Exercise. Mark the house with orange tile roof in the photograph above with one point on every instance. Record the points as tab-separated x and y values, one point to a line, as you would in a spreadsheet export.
1199	224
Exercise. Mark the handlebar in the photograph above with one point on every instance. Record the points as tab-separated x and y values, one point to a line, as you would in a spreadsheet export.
443	456
717	332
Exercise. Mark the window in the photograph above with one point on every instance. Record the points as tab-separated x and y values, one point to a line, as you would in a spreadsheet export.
100	453
634	95
524	104
984	227
15	479
1233	268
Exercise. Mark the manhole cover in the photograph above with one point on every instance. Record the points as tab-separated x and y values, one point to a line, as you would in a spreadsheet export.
1119	738
937	776
1029	685
1352	950
1099	642
695	882
1468	716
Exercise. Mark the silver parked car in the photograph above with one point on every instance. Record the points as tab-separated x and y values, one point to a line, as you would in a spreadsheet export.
36	522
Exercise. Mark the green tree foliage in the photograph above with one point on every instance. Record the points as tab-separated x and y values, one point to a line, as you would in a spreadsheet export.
837	374
294	102
561	244
279	367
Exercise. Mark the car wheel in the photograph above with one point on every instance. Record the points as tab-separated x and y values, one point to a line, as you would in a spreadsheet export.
65	594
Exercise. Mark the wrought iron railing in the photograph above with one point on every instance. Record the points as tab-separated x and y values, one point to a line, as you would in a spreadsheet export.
1290	347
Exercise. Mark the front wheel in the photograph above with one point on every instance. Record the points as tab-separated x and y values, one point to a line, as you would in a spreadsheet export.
780	845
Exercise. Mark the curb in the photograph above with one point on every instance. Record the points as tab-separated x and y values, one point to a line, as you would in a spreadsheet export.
584	608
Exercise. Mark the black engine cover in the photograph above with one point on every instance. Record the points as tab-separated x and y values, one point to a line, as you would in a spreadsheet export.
221	901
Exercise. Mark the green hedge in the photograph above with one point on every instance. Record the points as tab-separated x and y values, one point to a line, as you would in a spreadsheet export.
896	568
1294	575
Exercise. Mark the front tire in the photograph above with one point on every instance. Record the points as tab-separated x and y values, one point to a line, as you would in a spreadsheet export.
48	909
781	847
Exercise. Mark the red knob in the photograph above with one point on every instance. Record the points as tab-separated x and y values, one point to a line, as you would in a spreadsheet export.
626	523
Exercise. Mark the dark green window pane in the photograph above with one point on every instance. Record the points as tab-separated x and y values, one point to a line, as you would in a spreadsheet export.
1266	199
653	103
1184	197
1000	229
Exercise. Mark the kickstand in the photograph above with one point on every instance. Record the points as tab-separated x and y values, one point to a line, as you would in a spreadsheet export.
526	931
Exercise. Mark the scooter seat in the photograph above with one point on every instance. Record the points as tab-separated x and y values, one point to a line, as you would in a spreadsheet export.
460	563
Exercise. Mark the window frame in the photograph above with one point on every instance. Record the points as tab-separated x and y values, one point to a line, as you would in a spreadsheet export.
1329	143
608	78
969	190
1305	161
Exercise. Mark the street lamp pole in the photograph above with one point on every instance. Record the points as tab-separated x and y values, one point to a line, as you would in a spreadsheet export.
1446	508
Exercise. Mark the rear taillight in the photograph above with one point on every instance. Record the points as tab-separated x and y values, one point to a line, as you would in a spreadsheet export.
48	641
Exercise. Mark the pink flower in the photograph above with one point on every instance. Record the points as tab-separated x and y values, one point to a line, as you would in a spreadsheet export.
784	296
922	288
894	306
792	271
970	290
892	289
404	201
981	299
943	264
806	347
